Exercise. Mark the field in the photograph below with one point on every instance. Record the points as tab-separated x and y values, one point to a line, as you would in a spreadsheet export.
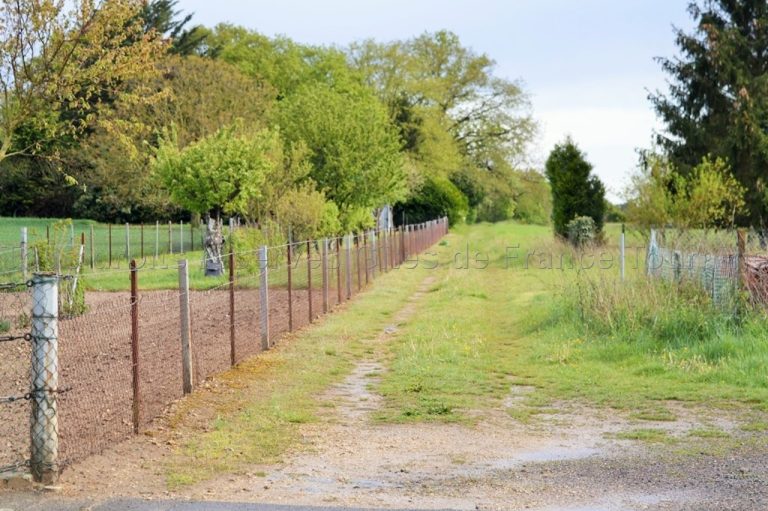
137	241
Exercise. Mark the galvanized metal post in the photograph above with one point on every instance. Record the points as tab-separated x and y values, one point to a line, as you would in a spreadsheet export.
186	340
338	270
264	297
348	265
288	254
324	269
309	277
374	254
135	347
44	426
24	254
127	241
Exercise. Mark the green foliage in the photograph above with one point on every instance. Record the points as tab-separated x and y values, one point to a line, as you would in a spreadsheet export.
575	191
436	198
221	173
307	213
718	99
534	199
582	231
354	151
659	196
614	213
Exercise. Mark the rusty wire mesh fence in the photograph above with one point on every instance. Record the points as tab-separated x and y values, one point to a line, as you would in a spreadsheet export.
723	263
122	357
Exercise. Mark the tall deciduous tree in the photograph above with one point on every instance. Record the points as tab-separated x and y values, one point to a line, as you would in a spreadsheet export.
718	98
353	148
575	190
64	56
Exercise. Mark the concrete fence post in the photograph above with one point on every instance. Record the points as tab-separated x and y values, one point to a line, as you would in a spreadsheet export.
24	254
264	296
44	425
186	340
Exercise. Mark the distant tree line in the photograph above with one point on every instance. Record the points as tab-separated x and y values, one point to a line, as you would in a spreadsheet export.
122	110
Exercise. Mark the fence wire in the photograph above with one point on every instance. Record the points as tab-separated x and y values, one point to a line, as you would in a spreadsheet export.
105	392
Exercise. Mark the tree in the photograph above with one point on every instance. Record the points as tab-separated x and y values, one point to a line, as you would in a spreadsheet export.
437	197
219	174
161	17
718	98
575	190
353	148
62	56
709	196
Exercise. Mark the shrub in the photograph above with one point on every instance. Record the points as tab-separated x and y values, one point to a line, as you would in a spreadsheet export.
582	231
436	198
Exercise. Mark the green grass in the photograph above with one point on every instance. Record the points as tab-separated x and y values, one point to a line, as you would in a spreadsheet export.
255	413
42	229
503	319
480	329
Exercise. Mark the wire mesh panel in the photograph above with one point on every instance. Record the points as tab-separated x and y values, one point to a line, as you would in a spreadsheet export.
210	334
708	261
95	364
15	354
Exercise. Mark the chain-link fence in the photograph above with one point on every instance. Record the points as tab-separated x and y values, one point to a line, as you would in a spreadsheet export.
104	370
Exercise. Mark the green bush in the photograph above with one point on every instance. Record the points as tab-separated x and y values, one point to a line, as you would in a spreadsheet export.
582	231
436	198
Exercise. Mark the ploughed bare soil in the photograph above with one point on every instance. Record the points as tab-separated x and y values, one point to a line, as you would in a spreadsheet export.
571	458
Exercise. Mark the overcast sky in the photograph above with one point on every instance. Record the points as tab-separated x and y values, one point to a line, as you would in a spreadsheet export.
587	64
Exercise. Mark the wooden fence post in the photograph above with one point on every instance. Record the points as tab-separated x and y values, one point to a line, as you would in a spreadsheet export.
324	269
232	352
186	341
290	286
309	277
136	381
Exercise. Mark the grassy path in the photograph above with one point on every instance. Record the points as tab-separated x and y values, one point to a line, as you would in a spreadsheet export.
479	391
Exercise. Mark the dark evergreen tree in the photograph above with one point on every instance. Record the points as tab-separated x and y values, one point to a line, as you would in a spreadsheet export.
575	190
718	98
162	16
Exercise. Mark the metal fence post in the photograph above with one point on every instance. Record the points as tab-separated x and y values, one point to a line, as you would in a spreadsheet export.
44	426
186	341
374	254
348	267
232	354
741	253
110	245
309	277
338	270
127	241
157	241
170	237
135	347
24	254
365	254
264	297
621	253
92	247
141	232
181	236
288	257
324	269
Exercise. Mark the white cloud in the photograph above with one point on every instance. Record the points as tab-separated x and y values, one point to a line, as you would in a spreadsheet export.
609	137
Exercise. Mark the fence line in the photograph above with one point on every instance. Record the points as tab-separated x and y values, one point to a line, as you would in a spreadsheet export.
122	361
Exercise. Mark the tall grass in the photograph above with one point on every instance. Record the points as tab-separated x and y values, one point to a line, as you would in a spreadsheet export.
676	324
